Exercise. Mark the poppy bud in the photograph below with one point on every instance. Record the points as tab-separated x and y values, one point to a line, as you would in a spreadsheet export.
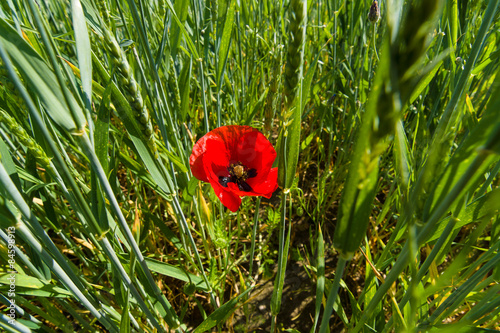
374	14
189	288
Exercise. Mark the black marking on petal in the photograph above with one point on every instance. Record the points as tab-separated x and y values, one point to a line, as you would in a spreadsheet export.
251	173
243	186
224	180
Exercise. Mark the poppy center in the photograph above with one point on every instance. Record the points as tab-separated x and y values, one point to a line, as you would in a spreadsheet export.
238	173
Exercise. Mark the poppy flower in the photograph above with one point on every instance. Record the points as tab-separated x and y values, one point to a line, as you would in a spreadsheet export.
237	161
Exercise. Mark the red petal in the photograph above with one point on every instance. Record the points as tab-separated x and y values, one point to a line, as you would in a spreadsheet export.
261	186
233	187
215	159
227	197
232	134
197	167
215	165
204	151
255	151
264	185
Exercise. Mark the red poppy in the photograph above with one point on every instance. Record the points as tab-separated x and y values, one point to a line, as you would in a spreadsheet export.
237	161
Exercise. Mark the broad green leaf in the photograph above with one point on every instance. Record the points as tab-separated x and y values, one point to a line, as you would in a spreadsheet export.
452	11
45	291
9	216
101	132
185	87
425	80
32	285
489	57
10	167
401	149
25	175
125	322
101	143
320	277
176	273
176	161
39	77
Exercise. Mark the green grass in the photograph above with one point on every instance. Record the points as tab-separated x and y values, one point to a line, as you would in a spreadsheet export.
388	142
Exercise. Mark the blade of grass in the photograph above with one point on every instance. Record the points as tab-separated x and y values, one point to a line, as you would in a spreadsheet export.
6	321
320	282
39	78
219	315
332	296
83	51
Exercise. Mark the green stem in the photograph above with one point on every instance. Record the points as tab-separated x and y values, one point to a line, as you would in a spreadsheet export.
254	235
332	296
282	259
374	40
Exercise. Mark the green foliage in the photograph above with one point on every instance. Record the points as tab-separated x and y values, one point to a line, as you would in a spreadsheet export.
385	119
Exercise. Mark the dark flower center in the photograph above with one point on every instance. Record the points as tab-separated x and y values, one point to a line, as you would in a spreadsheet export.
238	173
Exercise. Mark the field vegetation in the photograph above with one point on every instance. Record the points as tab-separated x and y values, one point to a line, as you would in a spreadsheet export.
385	118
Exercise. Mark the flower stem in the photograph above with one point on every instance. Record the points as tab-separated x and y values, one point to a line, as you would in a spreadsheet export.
254	235
374	41
282	259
